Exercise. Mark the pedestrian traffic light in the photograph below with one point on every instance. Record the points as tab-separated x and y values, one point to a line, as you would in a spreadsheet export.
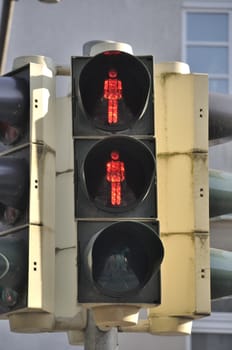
27	194
120	251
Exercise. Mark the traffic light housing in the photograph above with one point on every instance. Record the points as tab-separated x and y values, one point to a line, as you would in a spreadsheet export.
120	251
27	194
183	198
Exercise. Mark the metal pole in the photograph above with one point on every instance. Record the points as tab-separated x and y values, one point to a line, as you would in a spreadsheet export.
96	339
5	25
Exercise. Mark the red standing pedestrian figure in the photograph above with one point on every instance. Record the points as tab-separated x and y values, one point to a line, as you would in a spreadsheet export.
113	93
115	174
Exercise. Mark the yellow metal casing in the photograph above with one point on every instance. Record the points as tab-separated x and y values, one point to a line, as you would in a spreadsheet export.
181	123
69	315
38	315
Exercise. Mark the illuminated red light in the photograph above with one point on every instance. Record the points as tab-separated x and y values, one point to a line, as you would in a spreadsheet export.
111	52
112	93
115	175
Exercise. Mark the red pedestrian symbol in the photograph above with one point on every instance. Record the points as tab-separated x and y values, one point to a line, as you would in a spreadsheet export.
115	174
113	93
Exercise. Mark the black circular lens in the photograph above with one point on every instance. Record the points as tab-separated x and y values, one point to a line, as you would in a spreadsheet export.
114	88
118	173
125	255
13	261
8	297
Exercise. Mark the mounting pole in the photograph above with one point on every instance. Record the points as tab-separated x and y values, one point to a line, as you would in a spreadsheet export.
95	339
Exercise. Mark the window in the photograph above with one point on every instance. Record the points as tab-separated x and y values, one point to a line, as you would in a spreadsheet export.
207	43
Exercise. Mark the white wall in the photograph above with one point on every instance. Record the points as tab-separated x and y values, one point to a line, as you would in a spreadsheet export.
59	30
